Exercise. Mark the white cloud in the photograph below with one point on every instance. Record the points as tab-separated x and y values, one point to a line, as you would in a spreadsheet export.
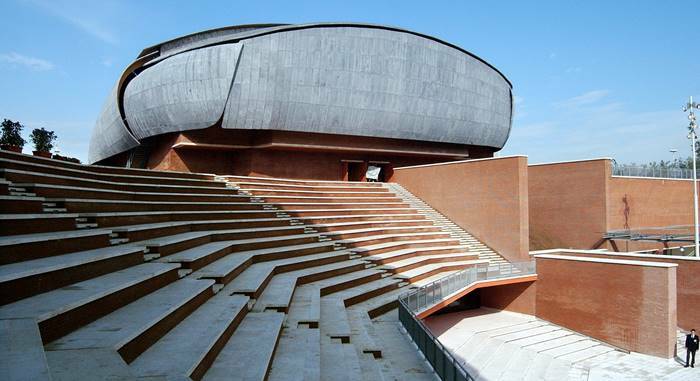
584	99
106	62
31	63
552	55
87	16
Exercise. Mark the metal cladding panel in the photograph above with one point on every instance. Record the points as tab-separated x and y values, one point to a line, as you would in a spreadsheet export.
368	82
188	91
110	136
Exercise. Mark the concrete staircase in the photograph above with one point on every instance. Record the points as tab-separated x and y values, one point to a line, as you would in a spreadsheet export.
466	239
115	273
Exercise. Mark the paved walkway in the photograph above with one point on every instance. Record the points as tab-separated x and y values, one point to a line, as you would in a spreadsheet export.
499	345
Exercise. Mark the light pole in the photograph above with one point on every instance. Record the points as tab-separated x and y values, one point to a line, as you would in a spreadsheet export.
693	138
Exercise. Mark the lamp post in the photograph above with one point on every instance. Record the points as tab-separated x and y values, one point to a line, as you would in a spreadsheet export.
693	138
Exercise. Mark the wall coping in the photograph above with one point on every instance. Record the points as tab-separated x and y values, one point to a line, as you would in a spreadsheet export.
460	162
569	161
650	178
624	254
608	261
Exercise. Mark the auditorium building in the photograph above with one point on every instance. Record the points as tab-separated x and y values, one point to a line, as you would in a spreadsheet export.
313	101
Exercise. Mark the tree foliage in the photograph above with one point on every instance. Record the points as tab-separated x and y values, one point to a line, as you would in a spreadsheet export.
43	139
12	133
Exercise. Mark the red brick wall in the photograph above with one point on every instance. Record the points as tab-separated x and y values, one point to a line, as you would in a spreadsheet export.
627	305
518	297
486	197
687	281
567	204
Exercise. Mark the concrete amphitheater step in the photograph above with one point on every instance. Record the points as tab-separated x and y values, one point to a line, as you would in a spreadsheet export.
23	279
422	260
49	168
177	355
389	238
133	328
305	308
261	192
326	198
431	269
83	192
24	177
21	351
248	354
346	281
368	351
104	169
24	247
360	218
341	226
253	280
246	185
158	229
226	268
27	223
369	290
78	205
336	212
63	310
392	256
298	356
279	291
297	206
133	218
21	204
380	230
249	240
279	180
372	250
383	303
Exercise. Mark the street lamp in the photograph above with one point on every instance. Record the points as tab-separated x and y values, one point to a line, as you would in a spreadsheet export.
692	127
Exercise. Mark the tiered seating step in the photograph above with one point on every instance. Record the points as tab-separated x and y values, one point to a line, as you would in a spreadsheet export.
21	351
60	311
248	354
190	348
27	223
135	327
22	279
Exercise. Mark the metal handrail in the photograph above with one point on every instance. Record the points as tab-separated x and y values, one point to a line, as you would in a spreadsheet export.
416	301
659	172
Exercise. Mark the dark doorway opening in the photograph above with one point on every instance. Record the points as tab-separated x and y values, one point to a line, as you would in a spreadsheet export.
354	170
385	170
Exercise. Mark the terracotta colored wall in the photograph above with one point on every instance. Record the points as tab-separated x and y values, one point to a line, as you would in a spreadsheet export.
687	281
567	204
518	297
632	306
486	197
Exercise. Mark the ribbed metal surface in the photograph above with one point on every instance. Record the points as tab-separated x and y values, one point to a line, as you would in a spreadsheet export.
363	80
186	92
110	136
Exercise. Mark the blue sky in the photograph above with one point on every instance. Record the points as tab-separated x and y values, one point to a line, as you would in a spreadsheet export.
591	78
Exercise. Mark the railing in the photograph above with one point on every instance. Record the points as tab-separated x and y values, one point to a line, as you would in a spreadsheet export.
416	301
665	172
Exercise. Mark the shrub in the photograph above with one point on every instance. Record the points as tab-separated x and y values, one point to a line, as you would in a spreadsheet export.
43	139
11	133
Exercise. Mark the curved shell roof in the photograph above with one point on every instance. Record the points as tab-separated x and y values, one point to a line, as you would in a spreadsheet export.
352	79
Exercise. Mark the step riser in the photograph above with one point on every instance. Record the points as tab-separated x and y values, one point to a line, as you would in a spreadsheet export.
311	213
312	205
370	294
368	218
164	197
378	232
393	239
436	271
330	189
90	207
23	166
274	181
21	206
379	311
63	324
349	284
370	225
108	221
36	225
329	274
139	344
408	245
111	184
430	261
416	254
201	368
166	250
32	285
328	198
42	249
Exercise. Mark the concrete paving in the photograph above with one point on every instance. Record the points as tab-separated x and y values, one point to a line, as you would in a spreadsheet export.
501	345
21	351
